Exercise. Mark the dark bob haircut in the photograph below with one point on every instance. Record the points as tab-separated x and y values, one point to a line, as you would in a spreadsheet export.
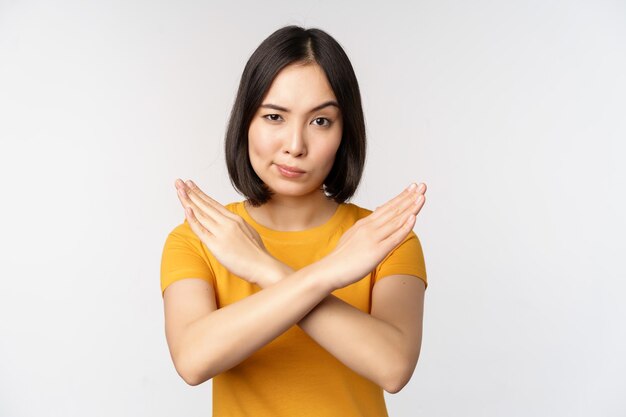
294	44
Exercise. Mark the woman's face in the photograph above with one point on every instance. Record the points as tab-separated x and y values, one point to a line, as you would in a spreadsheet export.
295	133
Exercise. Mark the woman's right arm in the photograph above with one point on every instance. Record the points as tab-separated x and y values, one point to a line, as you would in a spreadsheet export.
205	341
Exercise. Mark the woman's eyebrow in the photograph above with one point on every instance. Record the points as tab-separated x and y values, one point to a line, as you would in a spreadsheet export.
316	108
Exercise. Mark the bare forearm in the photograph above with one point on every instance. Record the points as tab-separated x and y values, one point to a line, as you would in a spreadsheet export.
369	346
229	335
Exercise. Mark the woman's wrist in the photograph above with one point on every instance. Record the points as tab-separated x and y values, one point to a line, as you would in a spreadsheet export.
273	272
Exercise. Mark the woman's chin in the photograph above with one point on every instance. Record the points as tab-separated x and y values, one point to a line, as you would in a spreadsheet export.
292	190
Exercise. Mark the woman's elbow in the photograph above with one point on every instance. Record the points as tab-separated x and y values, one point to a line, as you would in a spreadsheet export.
189	379
193	379
395	386
188	372
400	378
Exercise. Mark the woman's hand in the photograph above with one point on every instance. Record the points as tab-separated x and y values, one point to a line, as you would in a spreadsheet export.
371	238
233	242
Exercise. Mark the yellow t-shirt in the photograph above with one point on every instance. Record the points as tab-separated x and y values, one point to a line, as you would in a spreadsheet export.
292	375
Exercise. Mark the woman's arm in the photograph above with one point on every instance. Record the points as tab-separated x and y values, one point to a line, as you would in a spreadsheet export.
383	347
225	337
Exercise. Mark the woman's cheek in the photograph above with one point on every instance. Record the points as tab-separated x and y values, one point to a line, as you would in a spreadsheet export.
260	145
331	151
261	150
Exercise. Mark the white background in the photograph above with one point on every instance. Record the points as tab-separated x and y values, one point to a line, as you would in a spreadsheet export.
512	112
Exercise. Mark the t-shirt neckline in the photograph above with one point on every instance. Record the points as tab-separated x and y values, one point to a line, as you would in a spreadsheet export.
299	235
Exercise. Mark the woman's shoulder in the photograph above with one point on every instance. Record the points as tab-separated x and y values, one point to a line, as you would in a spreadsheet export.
235	206
357	210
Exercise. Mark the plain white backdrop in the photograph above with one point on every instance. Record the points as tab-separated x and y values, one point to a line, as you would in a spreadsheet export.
513	113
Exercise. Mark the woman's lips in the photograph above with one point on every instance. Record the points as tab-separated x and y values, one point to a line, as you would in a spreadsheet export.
289	172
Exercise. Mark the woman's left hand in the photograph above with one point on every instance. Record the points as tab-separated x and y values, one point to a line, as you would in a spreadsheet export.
233	242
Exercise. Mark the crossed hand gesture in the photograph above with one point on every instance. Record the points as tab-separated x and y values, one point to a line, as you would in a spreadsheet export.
237	246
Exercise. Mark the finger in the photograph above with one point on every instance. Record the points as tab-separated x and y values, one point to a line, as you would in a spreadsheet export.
412	190
394	224
405	193
400	209
207	209
208	200
196	226
208	215
395	238
206	220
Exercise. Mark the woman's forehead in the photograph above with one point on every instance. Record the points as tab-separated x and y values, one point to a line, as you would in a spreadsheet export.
300	88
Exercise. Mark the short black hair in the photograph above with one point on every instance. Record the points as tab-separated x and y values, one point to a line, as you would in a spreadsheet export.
287	45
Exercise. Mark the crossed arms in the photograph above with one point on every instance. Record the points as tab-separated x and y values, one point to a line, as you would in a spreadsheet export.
382	347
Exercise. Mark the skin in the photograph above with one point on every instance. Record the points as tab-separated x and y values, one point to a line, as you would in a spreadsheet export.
382	346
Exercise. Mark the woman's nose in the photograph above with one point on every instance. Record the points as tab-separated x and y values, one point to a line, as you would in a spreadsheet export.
295	143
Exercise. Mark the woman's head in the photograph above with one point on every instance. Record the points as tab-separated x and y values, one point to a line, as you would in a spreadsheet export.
295	52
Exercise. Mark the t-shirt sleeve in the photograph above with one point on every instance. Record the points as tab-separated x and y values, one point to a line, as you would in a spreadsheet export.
406	259
183	257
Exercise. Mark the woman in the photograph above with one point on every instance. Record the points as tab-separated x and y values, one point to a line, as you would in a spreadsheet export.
280	298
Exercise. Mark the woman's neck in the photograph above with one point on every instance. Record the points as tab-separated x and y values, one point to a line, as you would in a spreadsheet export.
286	213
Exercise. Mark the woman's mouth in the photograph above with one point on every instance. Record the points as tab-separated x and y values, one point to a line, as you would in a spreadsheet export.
289	172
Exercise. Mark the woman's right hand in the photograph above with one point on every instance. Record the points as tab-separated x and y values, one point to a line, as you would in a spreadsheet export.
233	242
371	238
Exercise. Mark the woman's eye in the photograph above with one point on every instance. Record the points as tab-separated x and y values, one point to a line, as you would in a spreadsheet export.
272	117
325	121
319	121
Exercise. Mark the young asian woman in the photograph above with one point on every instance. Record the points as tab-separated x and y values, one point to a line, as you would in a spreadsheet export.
280	298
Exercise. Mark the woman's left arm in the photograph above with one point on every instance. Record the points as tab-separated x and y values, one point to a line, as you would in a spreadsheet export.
385	343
